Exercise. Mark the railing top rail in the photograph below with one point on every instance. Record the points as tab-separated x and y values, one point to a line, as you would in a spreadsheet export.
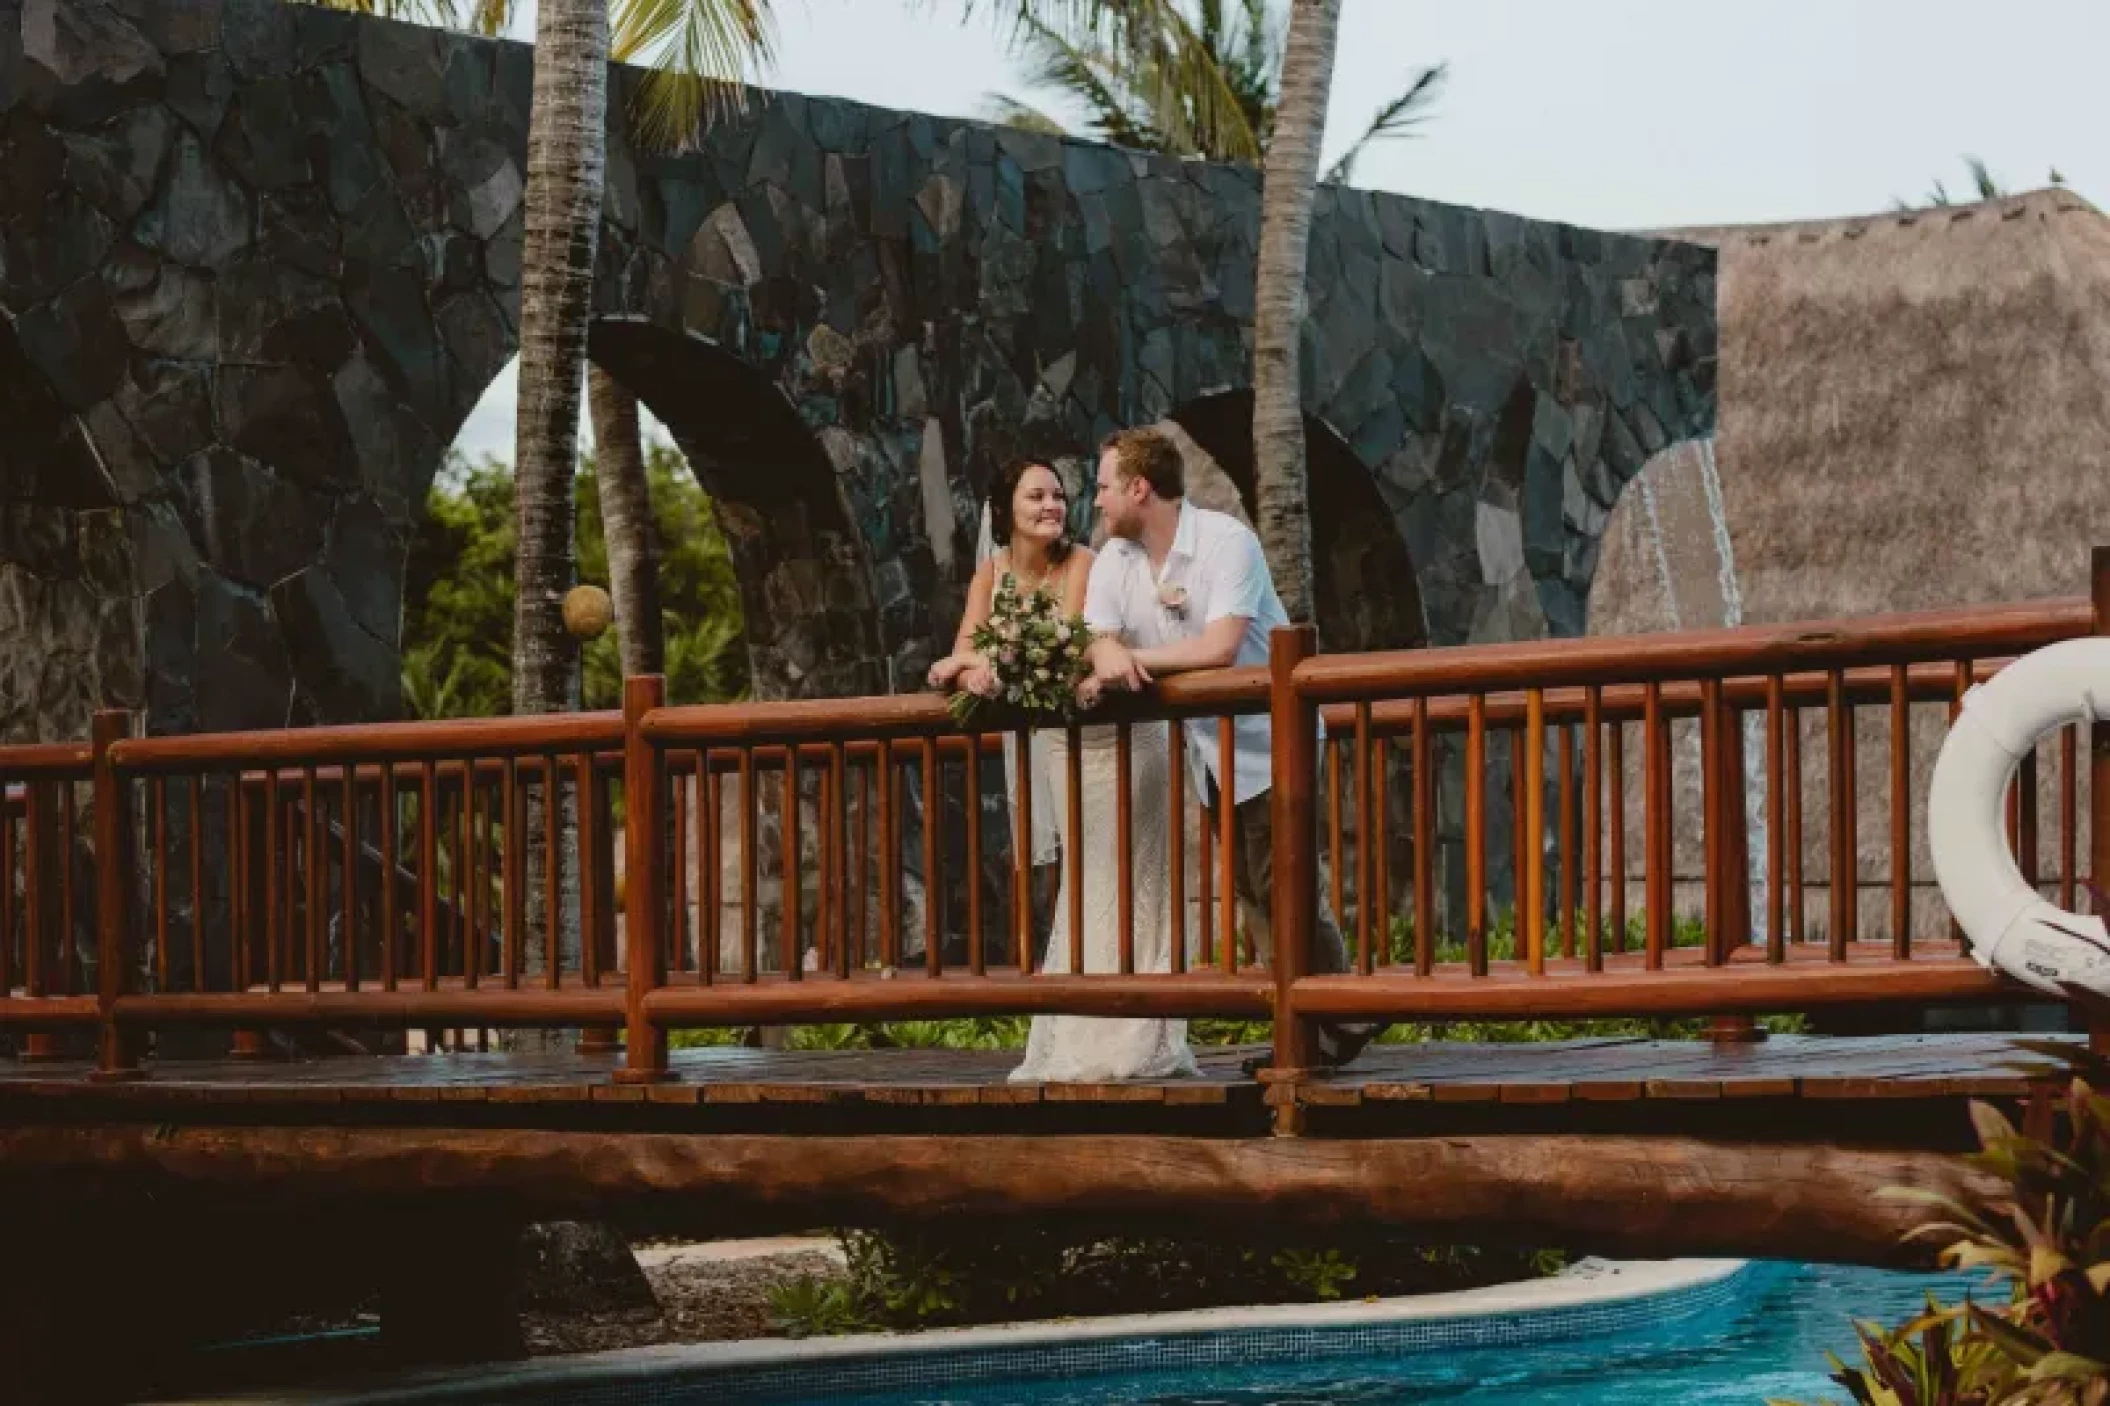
372	742
26	761
924	714
1915	637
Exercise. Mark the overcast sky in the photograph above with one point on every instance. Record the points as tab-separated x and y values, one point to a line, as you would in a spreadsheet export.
1622	114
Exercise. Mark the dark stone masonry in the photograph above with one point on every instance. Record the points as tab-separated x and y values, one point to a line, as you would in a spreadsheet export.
257	263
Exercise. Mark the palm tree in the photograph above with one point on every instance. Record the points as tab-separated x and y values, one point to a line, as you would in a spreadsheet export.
1288	192
1203	85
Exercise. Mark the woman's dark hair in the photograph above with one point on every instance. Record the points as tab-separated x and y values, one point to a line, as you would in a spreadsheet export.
1003	522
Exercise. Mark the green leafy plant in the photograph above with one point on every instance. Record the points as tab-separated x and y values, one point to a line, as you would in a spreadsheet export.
2045	1238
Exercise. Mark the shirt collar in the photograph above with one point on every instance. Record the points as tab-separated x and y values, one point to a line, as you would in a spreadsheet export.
1183	537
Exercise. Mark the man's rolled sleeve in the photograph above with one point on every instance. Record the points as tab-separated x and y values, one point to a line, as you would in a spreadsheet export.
1102	593
1241	579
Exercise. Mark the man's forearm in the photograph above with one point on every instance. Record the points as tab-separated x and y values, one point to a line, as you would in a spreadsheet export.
1186	656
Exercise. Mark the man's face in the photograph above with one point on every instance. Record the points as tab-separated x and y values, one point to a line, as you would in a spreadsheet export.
1119	499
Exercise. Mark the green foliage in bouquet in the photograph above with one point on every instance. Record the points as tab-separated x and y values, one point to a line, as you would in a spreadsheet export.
1037	656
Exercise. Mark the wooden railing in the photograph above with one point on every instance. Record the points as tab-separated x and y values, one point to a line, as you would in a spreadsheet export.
781	863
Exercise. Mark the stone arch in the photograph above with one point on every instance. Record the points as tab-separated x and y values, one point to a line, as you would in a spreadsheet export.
1369	594
805	582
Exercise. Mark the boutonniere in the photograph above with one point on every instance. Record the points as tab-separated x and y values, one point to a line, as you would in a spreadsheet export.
1173	597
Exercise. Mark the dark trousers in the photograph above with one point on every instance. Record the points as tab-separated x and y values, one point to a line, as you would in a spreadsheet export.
1252	826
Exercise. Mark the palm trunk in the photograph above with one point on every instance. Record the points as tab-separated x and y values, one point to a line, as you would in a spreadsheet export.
566	135
626	517
1288	190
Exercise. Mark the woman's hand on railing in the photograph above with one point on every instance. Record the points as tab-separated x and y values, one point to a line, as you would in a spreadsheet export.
979	679
946	672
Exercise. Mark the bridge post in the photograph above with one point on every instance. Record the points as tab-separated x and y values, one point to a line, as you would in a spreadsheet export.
2099	772
116	1058
644	885
1294	901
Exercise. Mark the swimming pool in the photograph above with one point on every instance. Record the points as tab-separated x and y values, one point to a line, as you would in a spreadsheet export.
1644	1334
1769	1340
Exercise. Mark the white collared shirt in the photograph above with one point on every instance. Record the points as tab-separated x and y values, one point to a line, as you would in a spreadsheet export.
1216	560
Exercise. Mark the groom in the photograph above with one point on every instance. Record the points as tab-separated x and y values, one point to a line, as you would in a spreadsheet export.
1179	588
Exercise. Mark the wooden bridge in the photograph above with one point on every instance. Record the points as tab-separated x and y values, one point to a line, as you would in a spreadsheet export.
217	954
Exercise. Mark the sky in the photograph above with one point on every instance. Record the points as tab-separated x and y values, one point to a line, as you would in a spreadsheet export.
1618	114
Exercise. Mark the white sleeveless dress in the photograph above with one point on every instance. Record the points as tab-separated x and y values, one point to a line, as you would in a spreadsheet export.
1089	1049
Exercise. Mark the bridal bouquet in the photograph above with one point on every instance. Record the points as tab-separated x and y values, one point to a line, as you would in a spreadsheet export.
1036	654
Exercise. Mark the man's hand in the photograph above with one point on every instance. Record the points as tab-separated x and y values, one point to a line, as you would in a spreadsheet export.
1114	666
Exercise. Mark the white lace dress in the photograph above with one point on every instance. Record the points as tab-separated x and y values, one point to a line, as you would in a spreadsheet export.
1089	1049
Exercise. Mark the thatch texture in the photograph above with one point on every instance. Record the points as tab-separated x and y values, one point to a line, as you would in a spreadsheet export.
1914	412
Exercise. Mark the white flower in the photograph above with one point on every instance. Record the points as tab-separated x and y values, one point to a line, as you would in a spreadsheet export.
1173	596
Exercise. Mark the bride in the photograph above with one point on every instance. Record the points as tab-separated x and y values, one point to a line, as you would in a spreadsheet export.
1032	547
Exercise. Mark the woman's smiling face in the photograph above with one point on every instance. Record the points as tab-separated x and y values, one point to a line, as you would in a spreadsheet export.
1040	510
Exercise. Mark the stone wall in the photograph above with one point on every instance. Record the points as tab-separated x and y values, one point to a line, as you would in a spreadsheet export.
257	263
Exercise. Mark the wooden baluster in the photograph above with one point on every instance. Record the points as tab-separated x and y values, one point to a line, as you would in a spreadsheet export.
1227	836
1713	817
1900	816
890	854
678	805
861	849
1381	842
1593	828
1531	914
839	832
1205	888
1365	869
977	960
197	884
512	928
1424	843
1125	843
824	869
1022	849
273	869
751	872
1519	862
1776	840
115	957
243	967
391	919
552	869
1793	799
1615	860
1336	804
1176	822
710	867
1838	728
348	882
1073	843
1655	826
7	893
1294	829
475	814
790	862
67	958
933	861
458	835
157	801
1476	834
1566	850
2099	767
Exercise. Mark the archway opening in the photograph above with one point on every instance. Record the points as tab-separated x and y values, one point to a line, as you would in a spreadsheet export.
1369	596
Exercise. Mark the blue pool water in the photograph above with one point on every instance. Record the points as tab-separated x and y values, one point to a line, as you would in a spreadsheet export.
1768	1340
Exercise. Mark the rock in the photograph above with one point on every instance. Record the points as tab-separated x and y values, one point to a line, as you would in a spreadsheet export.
408	63
202	218
263	138
341	673
287	418
200	86
117	172
251	525
166	309
39	257
84	62
579	1267
169	406
76	341
268	312
1499	535
257	36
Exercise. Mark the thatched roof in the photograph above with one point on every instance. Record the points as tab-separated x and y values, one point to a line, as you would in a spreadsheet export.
1914	412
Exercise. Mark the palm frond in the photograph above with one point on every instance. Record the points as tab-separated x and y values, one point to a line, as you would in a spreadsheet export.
1157	60
1007	111
1093	79
700	52
447	14
1397	118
